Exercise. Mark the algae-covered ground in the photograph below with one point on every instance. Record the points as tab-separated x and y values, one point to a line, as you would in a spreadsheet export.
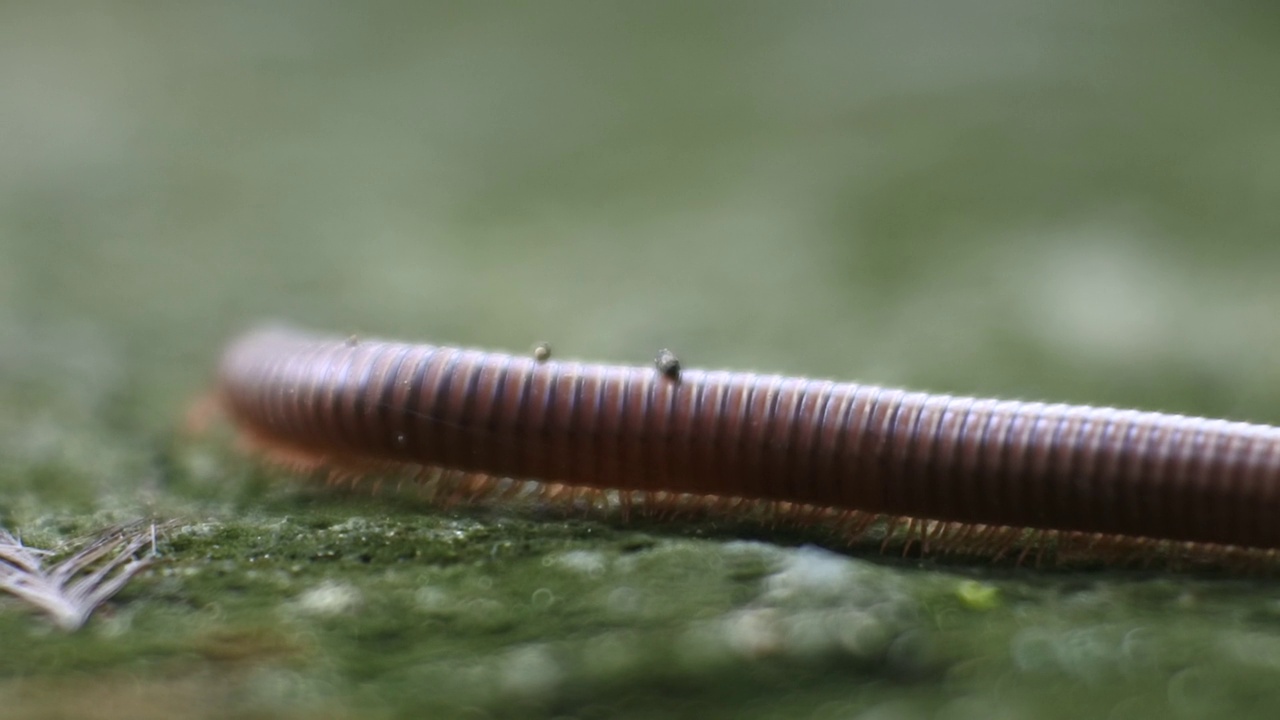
1065	200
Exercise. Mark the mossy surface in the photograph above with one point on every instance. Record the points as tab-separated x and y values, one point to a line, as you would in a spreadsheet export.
1053	199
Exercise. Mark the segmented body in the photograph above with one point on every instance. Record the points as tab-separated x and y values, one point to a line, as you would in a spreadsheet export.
946	464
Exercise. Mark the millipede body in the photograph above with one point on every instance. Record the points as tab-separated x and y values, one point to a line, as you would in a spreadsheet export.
953	471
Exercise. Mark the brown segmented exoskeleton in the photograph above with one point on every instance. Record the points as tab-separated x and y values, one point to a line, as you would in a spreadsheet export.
958	474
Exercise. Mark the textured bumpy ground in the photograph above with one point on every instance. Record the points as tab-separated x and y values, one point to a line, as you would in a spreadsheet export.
1051	199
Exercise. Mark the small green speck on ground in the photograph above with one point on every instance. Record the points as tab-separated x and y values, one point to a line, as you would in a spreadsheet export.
977	596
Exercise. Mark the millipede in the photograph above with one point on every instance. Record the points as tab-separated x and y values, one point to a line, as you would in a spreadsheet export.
933	473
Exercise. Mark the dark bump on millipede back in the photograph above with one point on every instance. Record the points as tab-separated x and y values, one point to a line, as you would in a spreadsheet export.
668	365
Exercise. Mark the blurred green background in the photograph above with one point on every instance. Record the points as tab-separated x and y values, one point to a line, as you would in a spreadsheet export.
1046	199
